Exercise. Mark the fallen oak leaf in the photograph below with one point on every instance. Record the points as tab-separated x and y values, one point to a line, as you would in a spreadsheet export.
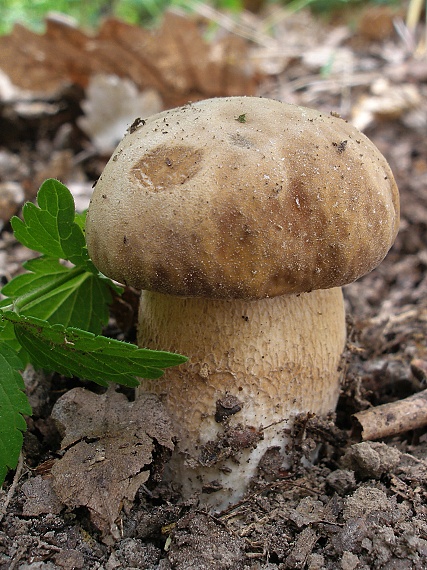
109	445
173	59
110	106
39	497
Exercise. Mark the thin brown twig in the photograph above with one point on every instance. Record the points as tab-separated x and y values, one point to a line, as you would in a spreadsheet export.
393	418
12	488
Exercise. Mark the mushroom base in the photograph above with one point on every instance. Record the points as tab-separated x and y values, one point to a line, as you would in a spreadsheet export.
253	365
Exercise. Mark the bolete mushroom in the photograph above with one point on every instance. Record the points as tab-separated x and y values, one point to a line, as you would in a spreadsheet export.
240	218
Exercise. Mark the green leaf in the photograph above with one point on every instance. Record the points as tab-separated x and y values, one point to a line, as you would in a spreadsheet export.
73	352
80	219
50	227
7	336
13	403
45	309
55	293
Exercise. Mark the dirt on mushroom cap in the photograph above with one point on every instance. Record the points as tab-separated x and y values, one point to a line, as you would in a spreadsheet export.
242	198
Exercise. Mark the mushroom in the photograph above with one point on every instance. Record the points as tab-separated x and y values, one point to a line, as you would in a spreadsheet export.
240	218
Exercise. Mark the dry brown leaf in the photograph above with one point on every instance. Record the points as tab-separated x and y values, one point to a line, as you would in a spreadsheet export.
39	497
377	22
111	106
387	102
110	443
174	59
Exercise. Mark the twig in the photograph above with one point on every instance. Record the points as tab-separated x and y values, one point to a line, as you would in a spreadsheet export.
237	27
12	489
391	419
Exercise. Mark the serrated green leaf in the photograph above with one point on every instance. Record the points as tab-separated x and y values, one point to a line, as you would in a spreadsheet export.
13	404
59	294
34	234
8	337
73	352
42	270
50	228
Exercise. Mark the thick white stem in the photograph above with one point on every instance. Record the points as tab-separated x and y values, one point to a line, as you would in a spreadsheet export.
262	362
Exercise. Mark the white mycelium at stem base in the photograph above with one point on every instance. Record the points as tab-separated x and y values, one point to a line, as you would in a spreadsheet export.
240	218
253	364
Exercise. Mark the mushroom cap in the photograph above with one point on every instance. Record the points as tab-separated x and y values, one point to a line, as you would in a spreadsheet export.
242	197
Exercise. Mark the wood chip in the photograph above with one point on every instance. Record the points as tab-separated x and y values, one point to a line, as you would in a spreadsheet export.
302	549
391	419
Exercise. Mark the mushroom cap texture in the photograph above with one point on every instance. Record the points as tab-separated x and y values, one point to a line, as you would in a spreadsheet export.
242	197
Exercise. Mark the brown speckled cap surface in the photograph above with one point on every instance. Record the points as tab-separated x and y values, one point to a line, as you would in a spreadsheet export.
242	197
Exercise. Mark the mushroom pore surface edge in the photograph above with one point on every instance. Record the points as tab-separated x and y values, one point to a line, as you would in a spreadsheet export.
240	219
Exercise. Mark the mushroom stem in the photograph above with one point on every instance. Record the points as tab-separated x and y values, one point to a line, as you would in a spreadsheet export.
252	365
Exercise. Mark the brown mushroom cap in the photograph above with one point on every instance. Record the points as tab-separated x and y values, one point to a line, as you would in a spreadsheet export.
242	197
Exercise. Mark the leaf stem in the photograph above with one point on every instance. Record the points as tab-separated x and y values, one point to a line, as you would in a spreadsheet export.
22	301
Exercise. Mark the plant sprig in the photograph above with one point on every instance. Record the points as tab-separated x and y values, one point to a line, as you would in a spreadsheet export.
52	316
